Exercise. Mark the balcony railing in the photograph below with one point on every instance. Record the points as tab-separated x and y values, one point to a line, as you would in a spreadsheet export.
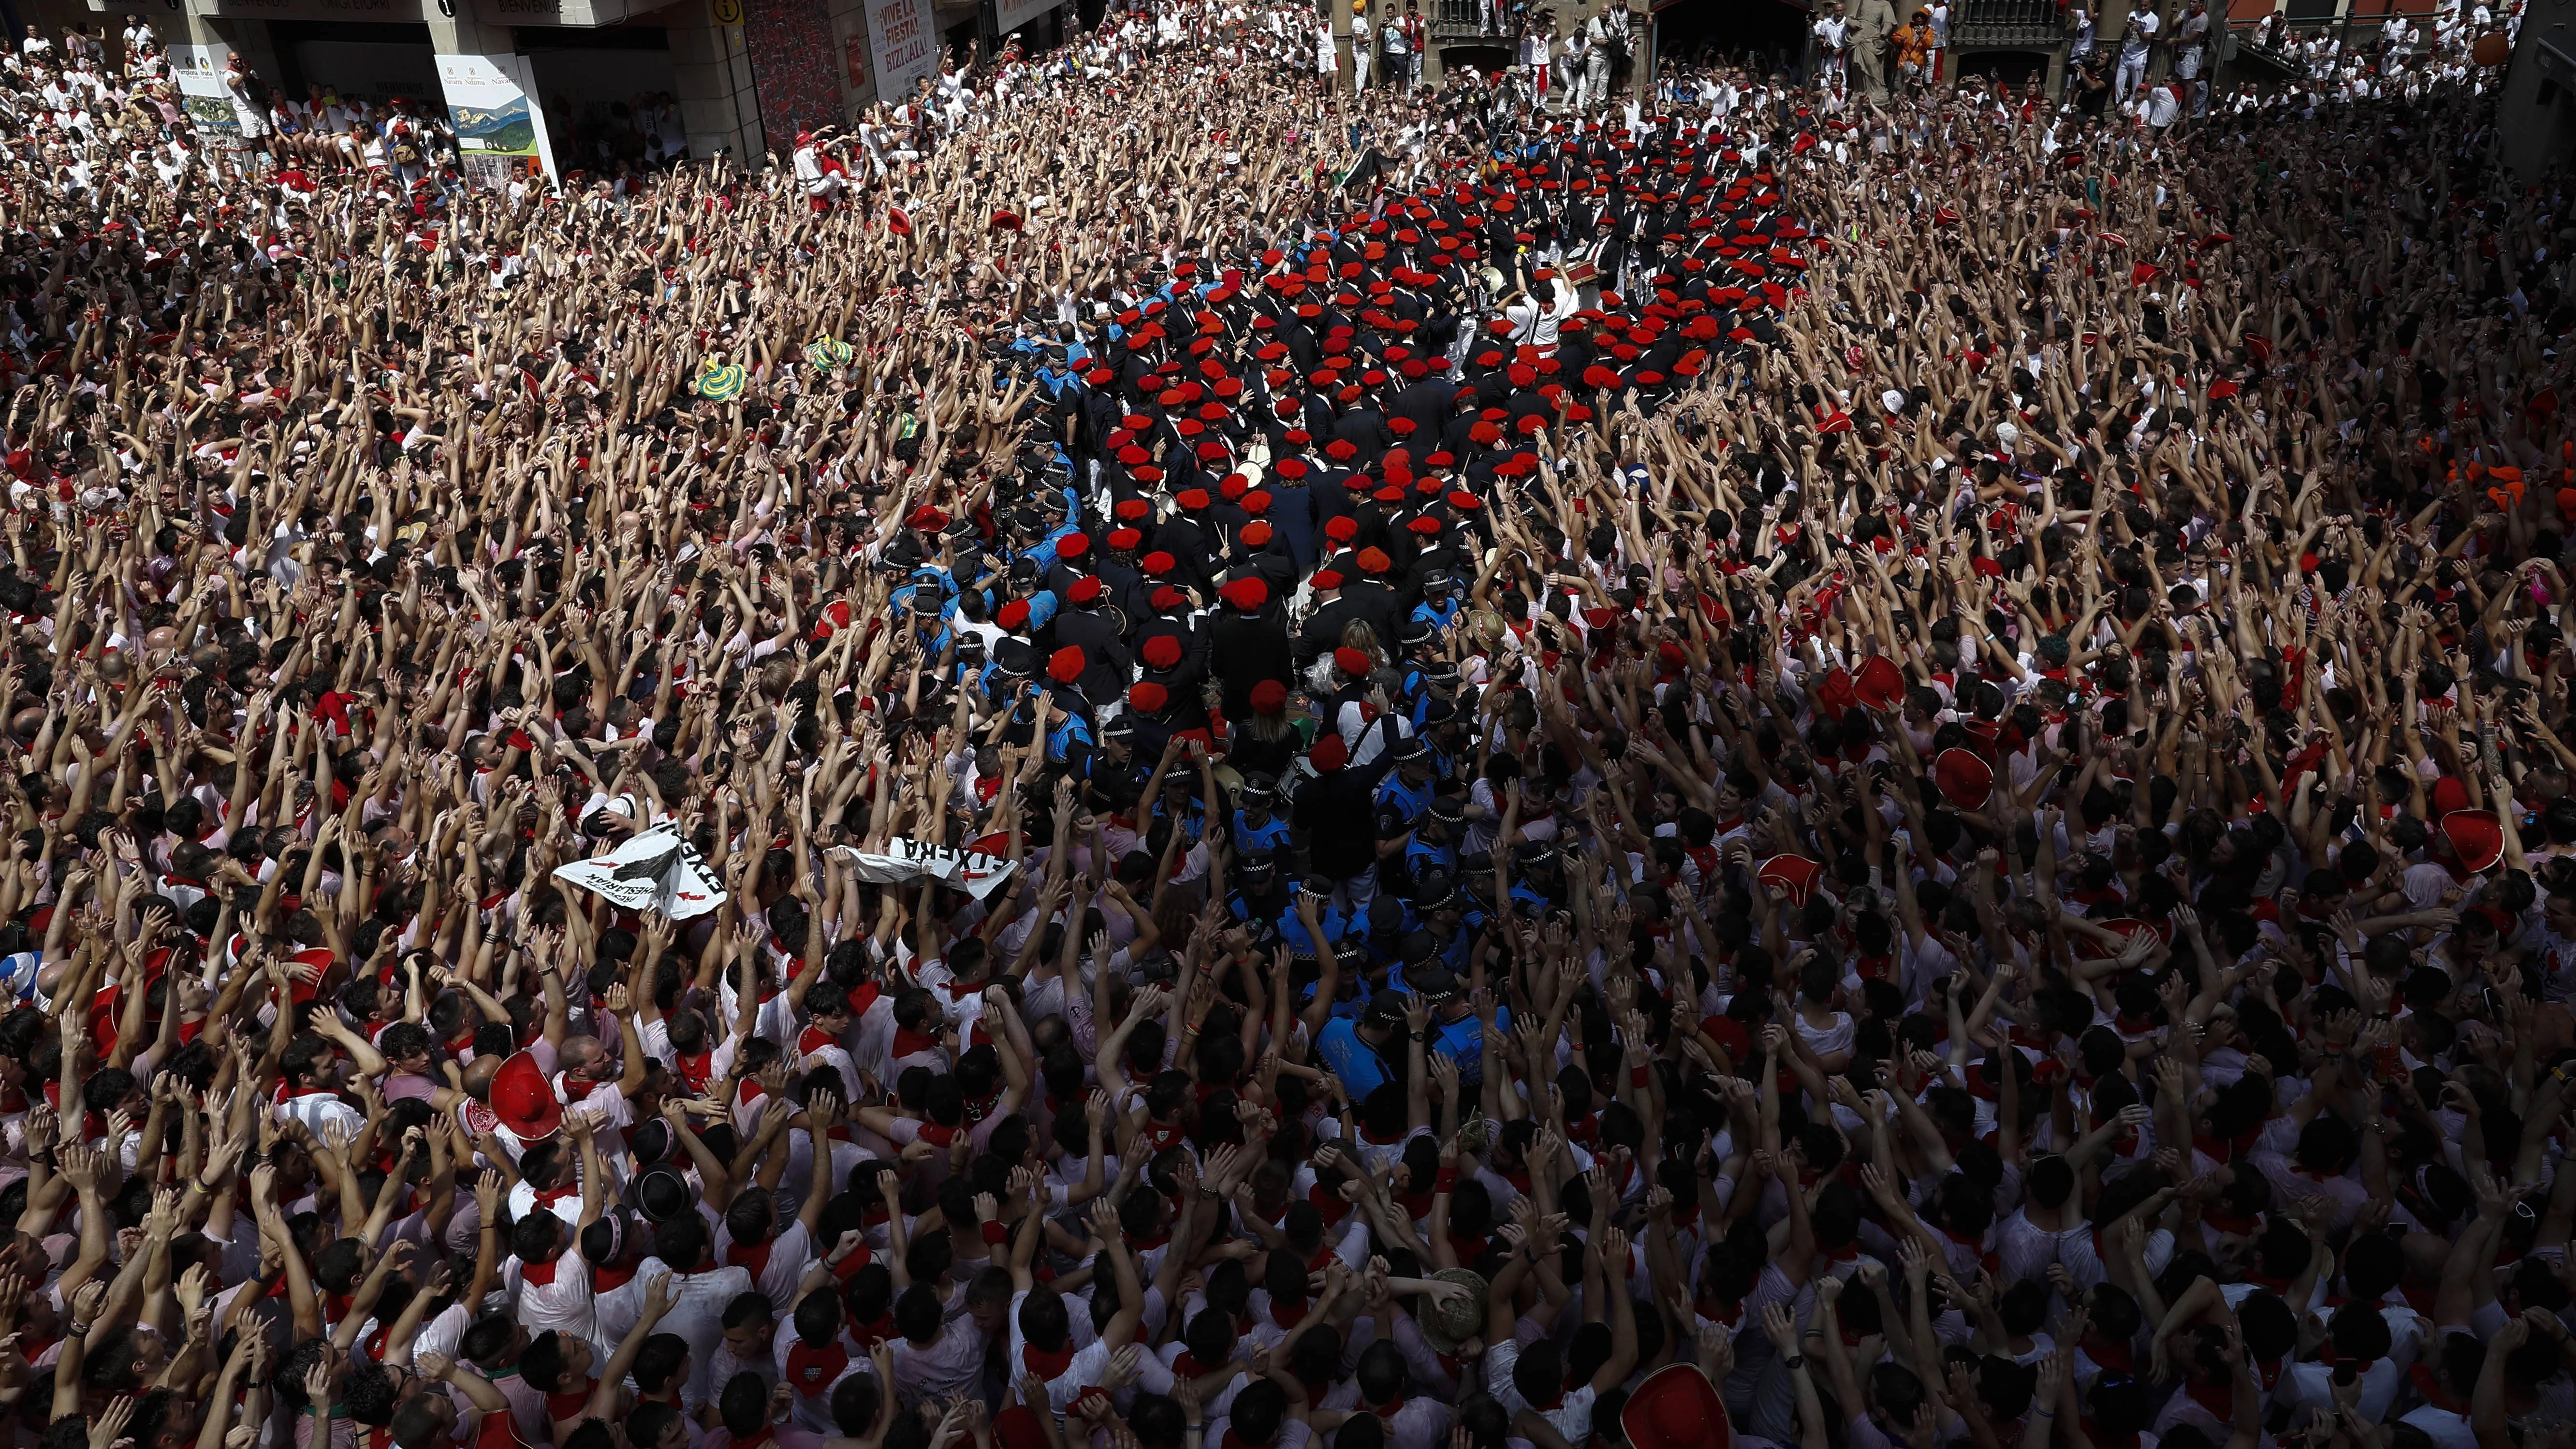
2006	22
1453	21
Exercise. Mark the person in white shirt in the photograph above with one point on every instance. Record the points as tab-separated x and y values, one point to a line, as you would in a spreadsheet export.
2136	41
1832	29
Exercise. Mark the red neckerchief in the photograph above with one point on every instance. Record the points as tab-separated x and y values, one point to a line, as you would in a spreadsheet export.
606	1280
813	1039
1287	1315
577	1088
813	1369
1047	1366
539	1273
568	1403
2114	1356
910	1043
754	1256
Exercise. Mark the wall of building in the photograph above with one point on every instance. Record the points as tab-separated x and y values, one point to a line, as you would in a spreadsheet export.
2536	114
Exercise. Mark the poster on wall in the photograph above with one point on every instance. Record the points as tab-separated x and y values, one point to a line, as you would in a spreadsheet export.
906	45
199	70
500	133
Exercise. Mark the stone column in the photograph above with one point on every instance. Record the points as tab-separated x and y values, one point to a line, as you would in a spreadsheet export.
711	73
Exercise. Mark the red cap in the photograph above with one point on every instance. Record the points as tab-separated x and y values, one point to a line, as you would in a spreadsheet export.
1880	684
1133	510
1350	661
1327	579
1065	665
1162	651
1269	697
1013	614
1191	500
1795	875
524	1100
1123	539
1245	593
1149	696
1072	545
1963	779
1675	1408
1256	533
1341	528
926	518
1330	754
1085	590
2476	836
1374	561
1168	597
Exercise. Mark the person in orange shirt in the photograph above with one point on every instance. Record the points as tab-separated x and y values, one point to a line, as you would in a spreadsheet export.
1913	45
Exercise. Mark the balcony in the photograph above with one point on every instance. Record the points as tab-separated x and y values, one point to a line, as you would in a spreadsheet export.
2025	24
1462	22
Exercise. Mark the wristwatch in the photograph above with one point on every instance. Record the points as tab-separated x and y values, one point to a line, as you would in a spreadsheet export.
1794	1362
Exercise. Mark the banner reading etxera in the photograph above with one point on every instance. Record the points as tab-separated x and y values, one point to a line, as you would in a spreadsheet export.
500	132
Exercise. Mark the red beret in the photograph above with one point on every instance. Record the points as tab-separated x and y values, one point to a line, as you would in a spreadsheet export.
1167	597
1330	753
1123	539
1192	500
1149	696
1341	450
1162	651
1341	529
1256	502
1256	533
1350	661
1013	614
1085	590
1065	665
1132	510
1246	593
1327	579
927	519
1374	561
1072	545
1269	697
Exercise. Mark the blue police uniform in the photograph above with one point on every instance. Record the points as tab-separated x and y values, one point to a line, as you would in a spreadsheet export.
1271	835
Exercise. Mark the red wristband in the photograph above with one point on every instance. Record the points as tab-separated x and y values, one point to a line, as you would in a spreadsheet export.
1636	1076
1447	1181
995	1235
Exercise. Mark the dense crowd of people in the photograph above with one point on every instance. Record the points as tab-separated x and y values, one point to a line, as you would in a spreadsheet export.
1143	755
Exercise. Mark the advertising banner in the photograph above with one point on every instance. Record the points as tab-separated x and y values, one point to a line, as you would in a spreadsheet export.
970	871
658	868
199	69
500	132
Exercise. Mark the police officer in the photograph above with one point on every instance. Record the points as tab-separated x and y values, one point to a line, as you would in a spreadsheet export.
1433	850
1402	797
1257	825
1539	886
